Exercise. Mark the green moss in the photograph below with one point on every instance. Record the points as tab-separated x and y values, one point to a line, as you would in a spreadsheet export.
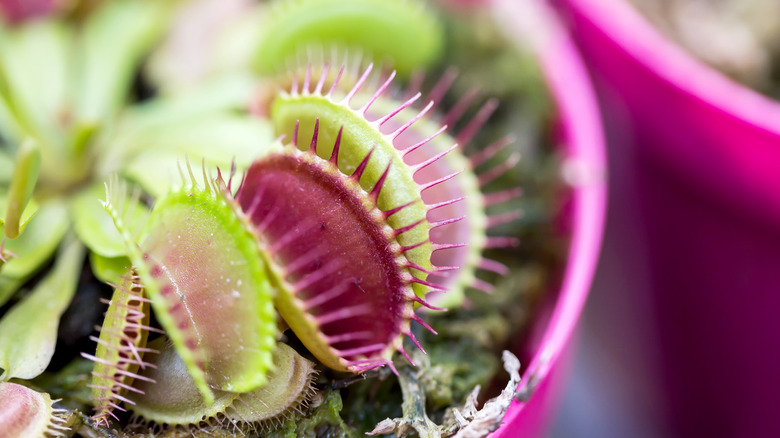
322	420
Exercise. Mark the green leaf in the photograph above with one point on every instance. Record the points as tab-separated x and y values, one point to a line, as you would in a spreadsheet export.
217	139
29	211
95	226
219	96
9	126
39	241
35	66
28	332
115	39
25	175
7	288
109	269
405	32
6	162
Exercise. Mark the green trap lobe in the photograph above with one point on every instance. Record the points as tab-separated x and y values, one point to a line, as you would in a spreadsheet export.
359	138
344	291
120	348
209	290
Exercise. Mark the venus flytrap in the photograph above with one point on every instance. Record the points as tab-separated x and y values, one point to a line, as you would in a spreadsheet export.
433	154
478	168
343	227
121	348
202	271
63	87
27	413
345	286
20	190
401	198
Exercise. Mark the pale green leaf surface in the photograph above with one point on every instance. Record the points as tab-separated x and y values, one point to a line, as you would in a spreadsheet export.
218	96
39	241
35	64
107	269
29	211
405	32
28	332
175	67
7	288
9	126
115	39
23	180
218	140
94	225
6	162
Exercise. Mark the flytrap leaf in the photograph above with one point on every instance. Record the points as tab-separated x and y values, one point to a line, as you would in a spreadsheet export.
44	231
463	196
169	393
30	209
331	111
204	275
96	228
28	332
109	269
170	396
403	32
28	413
121	348
241	138
35	67
115	38
25	175
6	160
344	283
34	247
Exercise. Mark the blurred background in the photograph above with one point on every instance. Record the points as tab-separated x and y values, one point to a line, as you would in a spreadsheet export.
680	335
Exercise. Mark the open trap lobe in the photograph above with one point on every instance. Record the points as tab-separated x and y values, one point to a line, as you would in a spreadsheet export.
339	258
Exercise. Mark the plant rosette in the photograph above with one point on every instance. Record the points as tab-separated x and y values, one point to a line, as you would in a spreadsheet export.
66	124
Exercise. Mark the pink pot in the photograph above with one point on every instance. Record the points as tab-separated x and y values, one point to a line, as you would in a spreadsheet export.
703	166
581	134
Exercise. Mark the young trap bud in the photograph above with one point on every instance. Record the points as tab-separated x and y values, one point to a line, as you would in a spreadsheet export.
121	349
174	401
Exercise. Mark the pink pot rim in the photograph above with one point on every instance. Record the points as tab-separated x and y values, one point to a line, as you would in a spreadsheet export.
635	35
584	163
715	136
